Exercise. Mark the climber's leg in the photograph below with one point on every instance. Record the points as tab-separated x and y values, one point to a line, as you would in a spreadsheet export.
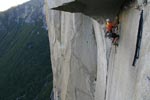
115	39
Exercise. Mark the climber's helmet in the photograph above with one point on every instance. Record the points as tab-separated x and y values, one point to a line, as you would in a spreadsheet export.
107	20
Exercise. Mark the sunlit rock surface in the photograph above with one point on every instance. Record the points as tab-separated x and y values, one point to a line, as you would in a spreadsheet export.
85	64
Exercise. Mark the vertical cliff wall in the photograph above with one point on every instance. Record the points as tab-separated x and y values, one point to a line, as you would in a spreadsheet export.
85	64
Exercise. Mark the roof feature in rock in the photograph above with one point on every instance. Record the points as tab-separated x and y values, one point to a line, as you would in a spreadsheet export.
91	7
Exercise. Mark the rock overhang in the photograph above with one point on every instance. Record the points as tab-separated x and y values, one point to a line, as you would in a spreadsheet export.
90	7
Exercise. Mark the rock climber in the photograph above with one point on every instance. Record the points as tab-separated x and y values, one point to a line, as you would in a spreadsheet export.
109	26
112	30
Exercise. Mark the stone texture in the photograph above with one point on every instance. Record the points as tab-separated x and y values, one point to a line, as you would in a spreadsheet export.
89	7
143	82
121	73
85	64
56	3
71	37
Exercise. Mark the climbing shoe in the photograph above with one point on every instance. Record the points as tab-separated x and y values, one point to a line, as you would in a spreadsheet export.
115	44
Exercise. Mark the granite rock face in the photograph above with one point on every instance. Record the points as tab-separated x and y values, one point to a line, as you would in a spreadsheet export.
85	64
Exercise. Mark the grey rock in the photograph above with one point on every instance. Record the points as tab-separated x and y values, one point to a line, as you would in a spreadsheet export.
85	64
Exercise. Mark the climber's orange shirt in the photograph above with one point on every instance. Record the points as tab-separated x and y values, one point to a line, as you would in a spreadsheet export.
109	26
